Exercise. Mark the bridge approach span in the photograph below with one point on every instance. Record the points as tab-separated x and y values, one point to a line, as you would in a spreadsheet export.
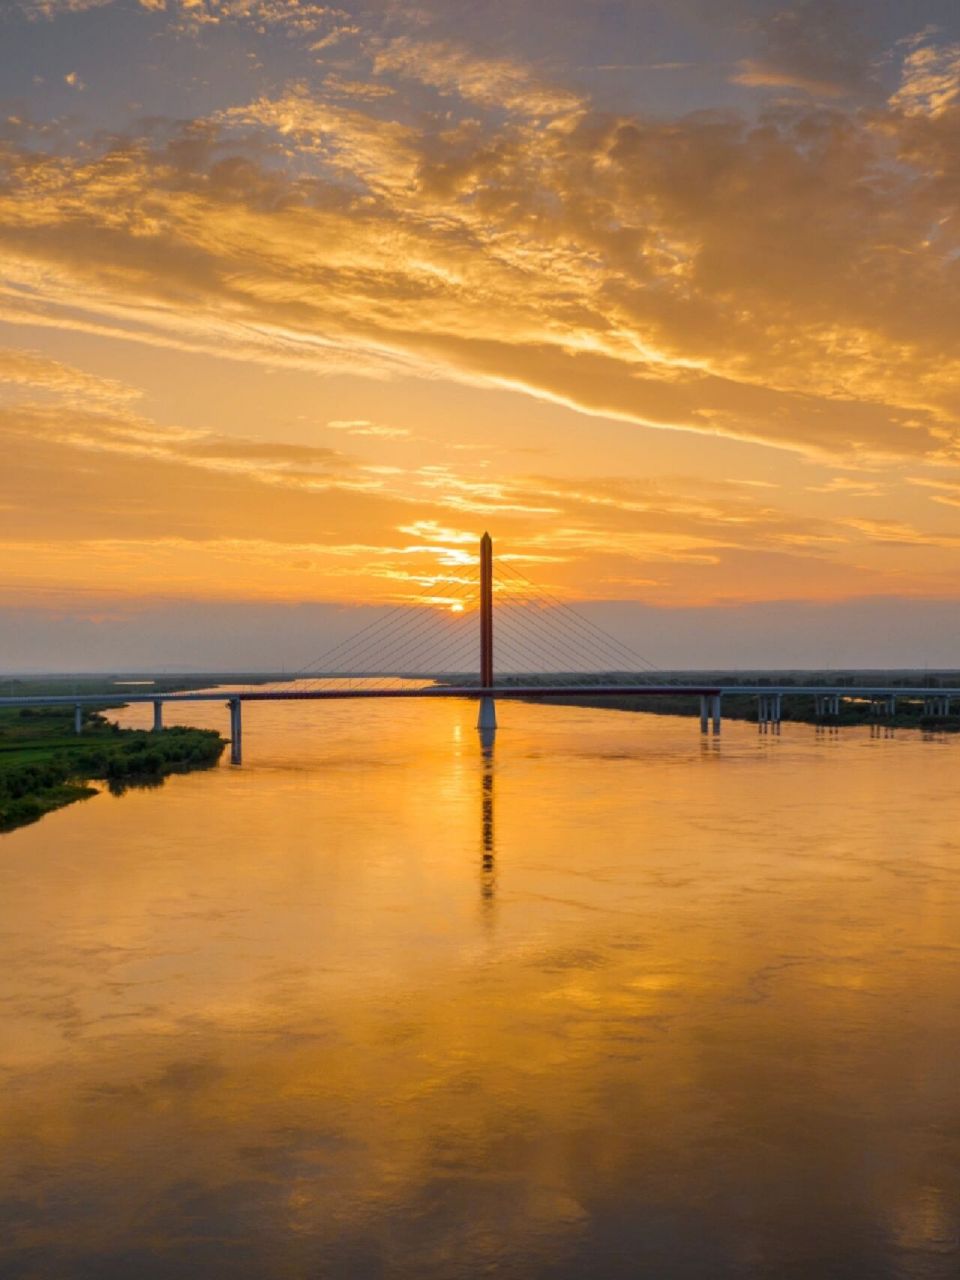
937	702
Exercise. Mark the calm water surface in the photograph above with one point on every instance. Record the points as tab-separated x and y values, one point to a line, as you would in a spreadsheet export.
611	1001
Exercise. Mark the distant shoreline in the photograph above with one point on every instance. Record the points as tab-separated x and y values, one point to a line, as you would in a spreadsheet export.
795	709
45	765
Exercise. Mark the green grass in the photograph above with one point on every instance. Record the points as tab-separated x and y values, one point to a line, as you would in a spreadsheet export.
45	765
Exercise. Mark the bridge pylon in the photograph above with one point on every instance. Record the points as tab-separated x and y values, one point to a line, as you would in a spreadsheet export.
487	718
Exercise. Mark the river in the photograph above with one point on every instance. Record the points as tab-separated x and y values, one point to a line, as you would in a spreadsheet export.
609	1000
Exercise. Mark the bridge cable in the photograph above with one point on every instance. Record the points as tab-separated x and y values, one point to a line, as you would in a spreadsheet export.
560	643
452	639
585	625
360	648
439	627
374	625
578	619
571	644
543	660
584	655
521	620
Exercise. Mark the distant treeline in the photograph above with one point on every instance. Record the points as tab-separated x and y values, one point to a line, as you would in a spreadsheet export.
897	679
795	707
115	686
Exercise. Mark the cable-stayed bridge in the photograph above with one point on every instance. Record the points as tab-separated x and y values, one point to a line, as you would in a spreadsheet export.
485	631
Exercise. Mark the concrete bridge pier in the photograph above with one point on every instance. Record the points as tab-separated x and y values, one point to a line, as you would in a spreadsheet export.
78	719
885	705
715	712
826	704
236	731
157	716
769	710
487	716
709	712
937	706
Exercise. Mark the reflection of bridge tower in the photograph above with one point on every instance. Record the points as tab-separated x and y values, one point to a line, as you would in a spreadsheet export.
487	719
488	865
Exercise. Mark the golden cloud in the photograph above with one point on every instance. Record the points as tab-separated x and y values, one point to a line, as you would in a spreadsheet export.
756	75
931	80
451	68
777	282
96	495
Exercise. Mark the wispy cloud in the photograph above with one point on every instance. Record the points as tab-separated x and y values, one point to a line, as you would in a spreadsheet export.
52	8
335	36
641	66
362	427
31	371
304	17
492	82
930	84
758	75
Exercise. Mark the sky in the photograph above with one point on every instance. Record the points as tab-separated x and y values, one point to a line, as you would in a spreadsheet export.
297	299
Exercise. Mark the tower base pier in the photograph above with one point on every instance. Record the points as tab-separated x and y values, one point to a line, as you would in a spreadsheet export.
487	716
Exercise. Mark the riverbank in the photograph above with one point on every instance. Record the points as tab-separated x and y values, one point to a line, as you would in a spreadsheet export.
794	707
45	765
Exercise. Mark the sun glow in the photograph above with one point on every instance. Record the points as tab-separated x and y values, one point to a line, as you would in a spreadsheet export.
344	323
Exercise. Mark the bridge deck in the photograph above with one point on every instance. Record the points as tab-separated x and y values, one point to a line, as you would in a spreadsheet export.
475	691
321	695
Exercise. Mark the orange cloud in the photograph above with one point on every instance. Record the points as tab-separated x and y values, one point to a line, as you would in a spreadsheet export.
492	82
931	80
425	212
758	76
778	284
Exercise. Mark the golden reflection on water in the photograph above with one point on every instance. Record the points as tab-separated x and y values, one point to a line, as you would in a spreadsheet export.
599	999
